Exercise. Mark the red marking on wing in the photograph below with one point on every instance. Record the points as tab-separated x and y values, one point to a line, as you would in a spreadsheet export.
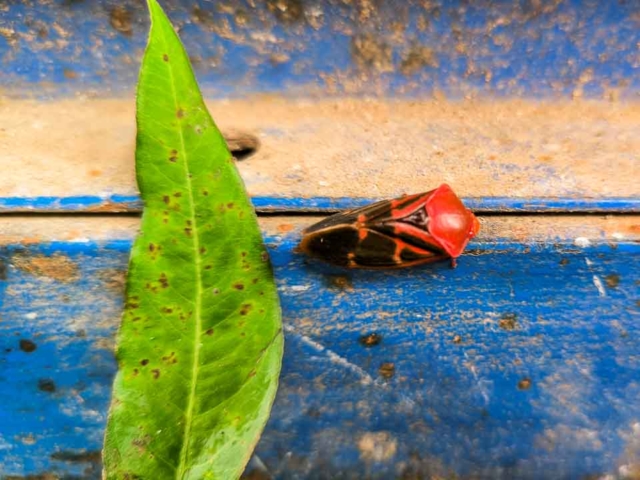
400	228
406	206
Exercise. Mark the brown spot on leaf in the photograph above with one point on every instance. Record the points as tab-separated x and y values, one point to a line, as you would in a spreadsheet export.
167	310
27	346
230	205
177	194
164	281
188	231
238	286
612	280
387	370
246	308
180	113
46	385
166	199
156	373
208	267
173	156
165	57
152	247
144	362
264	256
209	332
205	192
524	384
370	340
203	250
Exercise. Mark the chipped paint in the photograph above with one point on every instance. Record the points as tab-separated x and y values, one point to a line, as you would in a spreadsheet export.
546	374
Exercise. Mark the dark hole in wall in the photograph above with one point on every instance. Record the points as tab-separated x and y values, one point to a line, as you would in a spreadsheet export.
241	144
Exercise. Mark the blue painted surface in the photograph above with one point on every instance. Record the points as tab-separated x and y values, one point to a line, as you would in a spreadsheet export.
522	48
132	203
463	343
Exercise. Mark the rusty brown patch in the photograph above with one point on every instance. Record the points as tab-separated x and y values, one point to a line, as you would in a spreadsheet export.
90	456
46	385
113	279
509	321
57	267
285	227
417	58
612	280
387	370
524	384
121	20
340	282
370	340
287	11
371	53
27	346
457	339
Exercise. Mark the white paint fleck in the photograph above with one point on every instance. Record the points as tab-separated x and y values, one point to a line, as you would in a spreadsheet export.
296	288
588	262
618	236
31	316
377	446
323	183
598	283
481	384
365	378
582	242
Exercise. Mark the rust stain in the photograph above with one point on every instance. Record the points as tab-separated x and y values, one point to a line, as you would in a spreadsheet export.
285	227
120	19
57	267
387	370
113	279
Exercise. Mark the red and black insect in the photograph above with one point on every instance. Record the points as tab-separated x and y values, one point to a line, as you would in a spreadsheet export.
414	229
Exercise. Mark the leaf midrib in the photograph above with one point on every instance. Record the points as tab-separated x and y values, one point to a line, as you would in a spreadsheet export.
184	449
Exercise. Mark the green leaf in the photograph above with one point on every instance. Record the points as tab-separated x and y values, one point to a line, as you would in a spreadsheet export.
200	345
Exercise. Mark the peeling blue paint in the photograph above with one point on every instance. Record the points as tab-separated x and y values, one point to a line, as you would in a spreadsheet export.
513	365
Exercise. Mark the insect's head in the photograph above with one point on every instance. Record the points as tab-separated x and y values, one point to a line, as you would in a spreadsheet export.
450	222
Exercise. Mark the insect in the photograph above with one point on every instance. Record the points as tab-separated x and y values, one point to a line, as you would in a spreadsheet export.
410	230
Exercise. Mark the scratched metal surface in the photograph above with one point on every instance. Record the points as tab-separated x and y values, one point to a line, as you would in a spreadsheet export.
522	48
521	363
